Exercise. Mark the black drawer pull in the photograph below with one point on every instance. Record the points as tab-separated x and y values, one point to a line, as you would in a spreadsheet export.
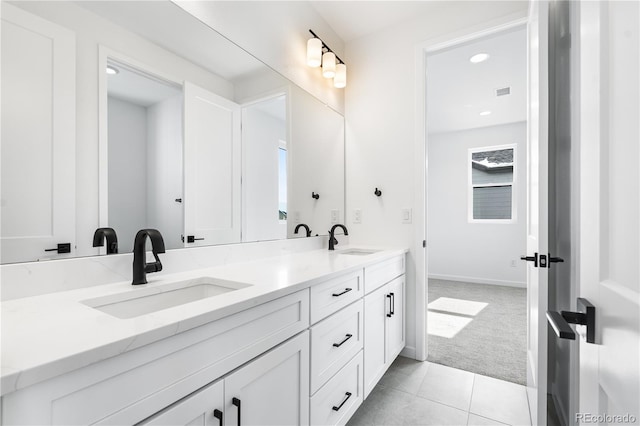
235	401
346	290
218	415
337	345
390	309
348	394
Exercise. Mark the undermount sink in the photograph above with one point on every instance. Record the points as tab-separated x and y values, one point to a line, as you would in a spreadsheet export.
157	298
358	252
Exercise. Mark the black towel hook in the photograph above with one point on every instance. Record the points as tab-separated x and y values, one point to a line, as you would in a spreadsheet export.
377	192
314	195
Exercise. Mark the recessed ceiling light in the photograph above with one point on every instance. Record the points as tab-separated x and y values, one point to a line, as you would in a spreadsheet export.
111	70
479	57
485	113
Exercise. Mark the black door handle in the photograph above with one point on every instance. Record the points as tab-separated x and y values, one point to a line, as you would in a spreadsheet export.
235	401
346	290
390	309
586	316
555	260
348	394
62	248
218	415
533	259
337	345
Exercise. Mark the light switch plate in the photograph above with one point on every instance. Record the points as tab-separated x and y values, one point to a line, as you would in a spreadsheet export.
406	216
357	216
335	216
296	217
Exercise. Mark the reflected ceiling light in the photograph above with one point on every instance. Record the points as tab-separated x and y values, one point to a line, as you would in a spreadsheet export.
483	113
479	57
111	70
318	53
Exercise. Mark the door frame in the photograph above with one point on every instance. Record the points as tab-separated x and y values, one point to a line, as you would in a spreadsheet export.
422	51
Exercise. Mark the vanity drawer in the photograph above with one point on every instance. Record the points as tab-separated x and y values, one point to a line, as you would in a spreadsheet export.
383	272
335	402
334	342
334	294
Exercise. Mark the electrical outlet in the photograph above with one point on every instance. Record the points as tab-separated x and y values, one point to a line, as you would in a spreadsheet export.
296	217
406	216
335	216
357	216
514	263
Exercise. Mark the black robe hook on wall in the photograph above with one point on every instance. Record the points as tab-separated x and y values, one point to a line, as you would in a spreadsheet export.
377	192
314	195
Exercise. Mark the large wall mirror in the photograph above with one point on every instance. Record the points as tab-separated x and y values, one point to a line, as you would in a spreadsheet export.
131	115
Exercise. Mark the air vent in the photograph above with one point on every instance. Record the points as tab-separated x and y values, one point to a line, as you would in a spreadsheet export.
504	91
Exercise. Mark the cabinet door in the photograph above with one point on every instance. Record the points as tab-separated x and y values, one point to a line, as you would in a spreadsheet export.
201	408
376	308
273	389
395	322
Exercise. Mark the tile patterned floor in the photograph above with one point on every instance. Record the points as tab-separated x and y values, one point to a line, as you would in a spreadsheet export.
424	393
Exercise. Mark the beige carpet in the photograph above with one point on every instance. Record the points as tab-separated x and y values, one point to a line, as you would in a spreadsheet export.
479	328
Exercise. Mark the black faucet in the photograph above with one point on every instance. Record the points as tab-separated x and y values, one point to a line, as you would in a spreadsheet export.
140	265
302	225
332	239
108	234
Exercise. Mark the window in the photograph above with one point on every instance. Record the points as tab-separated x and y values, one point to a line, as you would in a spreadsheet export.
492	178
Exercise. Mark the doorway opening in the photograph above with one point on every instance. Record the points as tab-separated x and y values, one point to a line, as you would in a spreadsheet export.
476	118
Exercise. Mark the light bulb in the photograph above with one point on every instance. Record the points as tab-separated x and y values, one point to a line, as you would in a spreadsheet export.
329	65
340	79
314	52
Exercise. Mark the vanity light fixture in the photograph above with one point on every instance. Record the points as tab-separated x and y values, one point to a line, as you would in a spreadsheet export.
479	57
111	70
318	53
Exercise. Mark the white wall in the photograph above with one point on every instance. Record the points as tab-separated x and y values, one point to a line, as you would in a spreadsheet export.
276	32
383	139
127	172
458	249
261	135
164	170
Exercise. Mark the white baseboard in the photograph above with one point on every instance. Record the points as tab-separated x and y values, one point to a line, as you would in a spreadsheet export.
408	352
478	280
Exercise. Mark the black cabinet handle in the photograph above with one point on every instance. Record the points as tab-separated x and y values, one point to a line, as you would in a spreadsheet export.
346	290
390	310
235	401
349	336
348	394
393	304
218	415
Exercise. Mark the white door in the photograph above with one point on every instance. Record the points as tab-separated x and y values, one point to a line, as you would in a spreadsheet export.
38	137
211	168
271	390
203	408
537	205
609	213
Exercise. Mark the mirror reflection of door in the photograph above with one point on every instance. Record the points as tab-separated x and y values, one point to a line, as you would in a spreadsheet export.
264	139
145	155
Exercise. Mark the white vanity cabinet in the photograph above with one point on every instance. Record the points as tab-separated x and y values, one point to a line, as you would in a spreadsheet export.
270	390
384	328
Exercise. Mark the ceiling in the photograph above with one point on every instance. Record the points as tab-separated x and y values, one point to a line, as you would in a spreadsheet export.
355	19
458	90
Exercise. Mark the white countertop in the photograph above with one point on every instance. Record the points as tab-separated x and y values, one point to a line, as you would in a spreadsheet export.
53	334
